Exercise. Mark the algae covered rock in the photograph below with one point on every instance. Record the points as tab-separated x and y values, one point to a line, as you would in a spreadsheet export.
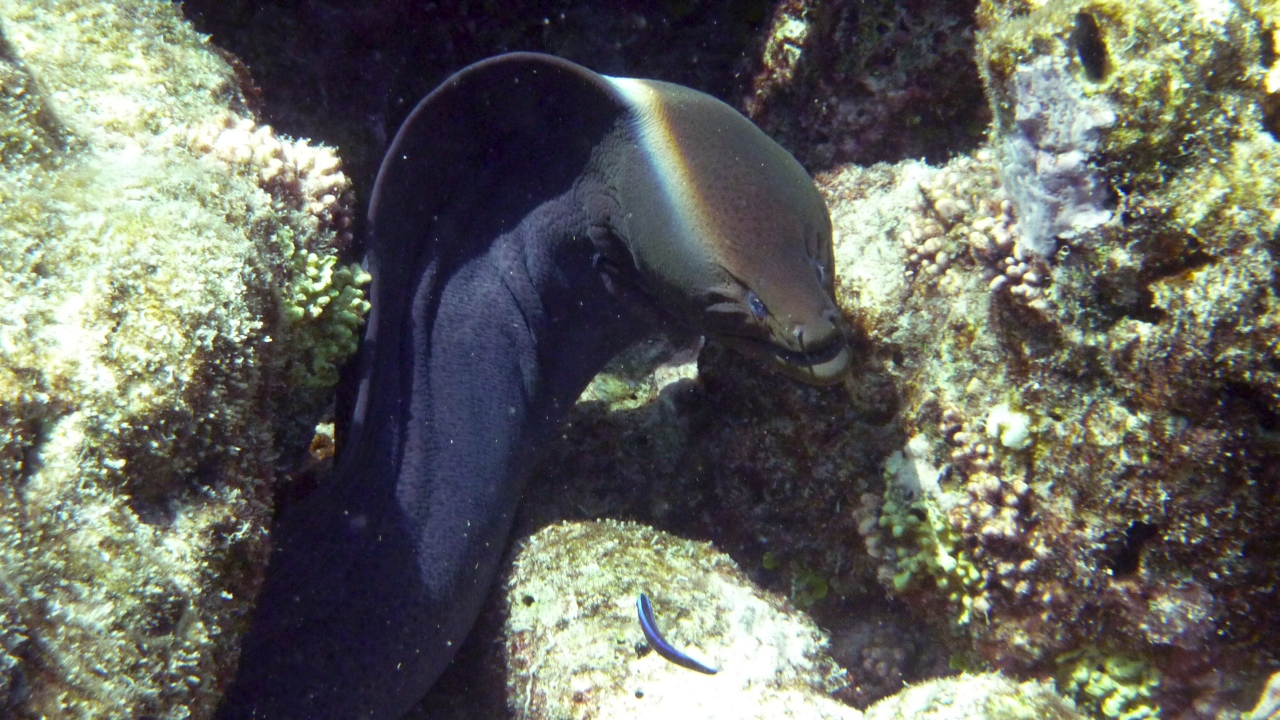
172	308
974	697
865	81
1096	387
575	647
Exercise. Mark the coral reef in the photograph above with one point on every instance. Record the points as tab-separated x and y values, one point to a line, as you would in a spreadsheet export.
322	306
1111	686
172	309
575	648
1107	430
1057	456
1061	445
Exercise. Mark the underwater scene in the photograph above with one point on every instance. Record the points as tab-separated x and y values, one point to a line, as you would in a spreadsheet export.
697	359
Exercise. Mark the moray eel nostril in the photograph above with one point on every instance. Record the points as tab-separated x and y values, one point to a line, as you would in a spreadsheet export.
530	220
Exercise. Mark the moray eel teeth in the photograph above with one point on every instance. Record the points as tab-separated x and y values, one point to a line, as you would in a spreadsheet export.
644	609
822	363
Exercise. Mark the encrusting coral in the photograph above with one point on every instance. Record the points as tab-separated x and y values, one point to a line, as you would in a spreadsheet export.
966	697
575	648
1106	409
172	311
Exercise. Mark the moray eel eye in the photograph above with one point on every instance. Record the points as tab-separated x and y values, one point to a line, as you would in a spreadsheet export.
757	305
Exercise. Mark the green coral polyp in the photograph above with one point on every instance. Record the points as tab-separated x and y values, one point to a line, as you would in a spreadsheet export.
1115	686
807	587
928	548
324	307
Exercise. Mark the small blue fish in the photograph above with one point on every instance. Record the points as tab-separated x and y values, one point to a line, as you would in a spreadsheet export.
645	609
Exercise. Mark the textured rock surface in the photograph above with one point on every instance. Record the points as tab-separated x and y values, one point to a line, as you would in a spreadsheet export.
171	313
974	697
865	81
1129	541
575	648
1060	463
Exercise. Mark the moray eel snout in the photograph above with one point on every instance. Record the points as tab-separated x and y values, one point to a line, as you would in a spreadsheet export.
786	317
806	342
814	352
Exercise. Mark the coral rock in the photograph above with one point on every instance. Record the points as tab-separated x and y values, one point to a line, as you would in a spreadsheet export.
171	311
576	650
974	697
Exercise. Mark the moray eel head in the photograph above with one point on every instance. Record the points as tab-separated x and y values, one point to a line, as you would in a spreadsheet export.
728	229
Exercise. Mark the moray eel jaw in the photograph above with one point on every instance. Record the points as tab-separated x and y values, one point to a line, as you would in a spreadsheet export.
814	355
824	364
808	345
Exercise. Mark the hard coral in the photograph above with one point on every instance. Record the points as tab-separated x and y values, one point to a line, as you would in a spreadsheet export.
322	308
151	370
1143	369
575	648
1112	686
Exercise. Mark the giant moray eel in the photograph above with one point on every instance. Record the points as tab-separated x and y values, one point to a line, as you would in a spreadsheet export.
531	219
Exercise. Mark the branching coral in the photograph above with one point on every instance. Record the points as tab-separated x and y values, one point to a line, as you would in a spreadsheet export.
322	307
923	546
965	216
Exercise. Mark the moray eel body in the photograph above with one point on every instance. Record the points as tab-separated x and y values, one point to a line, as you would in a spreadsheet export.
531	219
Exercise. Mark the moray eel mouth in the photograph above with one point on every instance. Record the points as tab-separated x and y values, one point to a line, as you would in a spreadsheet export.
823	364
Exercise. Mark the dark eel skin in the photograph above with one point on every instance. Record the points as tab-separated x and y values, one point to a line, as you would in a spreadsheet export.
531	220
